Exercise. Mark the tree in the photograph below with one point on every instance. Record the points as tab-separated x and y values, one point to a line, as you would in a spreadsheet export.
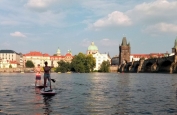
10	66
104	66
29	64
83	63
90	63
78	63
63	66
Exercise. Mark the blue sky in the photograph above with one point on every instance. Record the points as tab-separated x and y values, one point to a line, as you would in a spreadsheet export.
44	25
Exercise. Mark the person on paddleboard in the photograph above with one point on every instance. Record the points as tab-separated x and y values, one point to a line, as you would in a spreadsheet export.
38	74
47	70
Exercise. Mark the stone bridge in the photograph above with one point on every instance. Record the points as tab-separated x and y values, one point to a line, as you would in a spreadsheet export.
163	64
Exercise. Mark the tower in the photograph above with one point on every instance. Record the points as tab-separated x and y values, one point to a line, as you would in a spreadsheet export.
124	51
58	52
174	49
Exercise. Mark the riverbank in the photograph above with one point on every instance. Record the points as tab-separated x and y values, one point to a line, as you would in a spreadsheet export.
16	70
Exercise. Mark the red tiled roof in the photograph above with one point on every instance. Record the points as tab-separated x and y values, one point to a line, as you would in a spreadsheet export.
68	54
35	53
46	55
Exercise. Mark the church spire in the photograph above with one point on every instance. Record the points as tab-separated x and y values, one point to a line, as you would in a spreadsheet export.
124	41
175	46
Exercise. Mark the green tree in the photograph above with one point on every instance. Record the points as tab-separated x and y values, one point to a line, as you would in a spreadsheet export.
10	66
90	63
83	63
63	66
29	64
104	66
78	63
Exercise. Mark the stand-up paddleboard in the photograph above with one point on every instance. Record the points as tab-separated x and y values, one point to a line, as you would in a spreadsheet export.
38	86
48	91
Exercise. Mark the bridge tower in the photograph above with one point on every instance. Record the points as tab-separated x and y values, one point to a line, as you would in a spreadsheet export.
174	50
124	51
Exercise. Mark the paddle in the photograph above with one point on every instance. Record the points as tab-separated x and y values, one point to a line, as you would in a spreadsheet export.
53	80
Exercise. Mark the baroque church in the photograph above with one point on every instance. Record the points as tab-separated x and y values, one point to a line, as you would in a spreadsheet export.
93	50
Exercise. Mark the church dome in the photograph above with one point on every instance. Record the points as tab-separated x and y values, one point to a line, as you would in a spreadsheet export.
92	47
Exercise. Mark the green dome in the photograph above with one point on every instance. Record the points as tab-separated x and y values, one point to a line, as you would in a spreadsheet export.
92	47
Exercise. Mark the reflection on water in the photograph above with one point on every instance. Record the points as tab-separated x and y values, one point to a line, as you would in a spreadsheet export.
96	93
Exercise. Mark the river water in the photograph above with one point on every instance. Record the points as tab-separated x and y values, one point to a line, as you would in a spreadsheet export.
91	94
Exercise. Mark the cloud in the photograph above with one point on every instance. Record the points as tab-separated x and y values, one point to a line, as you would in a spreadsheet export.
161	28
39	5
99	7
116	18
107	42
17	34
153	12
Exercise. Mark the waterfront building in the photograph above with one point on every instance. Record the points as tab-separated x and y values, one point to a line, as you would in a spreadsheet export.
124	51
10	59
93	50
66	58
39	58
115	61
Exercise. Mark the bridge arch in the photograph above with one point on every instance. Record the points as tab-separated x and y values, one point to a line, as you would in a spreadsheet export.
136	67
165	66
148	67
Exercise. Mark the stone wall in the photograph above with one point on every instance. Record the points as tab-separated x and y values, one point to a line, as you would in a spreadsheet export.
16	70
113	68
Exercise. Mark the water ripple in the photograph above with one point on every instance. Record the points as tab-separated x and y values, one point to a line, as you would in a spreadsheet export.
95	93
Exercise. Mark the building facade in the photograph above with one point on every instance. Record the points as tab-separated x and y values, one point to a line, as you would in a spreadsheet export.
9	59
39	58
66	58
115	61
93	50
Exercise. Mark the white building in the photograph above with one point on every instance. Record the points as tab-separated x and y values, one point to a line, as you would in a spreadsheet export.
37	58
100	58
9	58
92	49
